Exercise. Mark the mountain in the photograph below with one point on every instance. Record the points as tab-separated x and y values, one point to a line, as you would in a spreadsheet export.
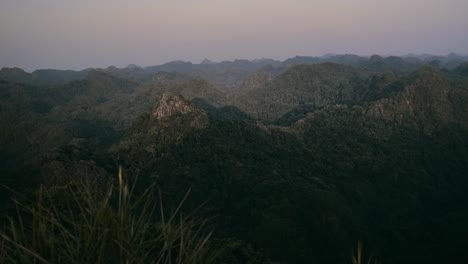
229	75
16	75
177	66
255	81
60	76
201	89
207	62
425	103
314	85
295	162
328	174
462	69
169	77
171	105
132	66
397	65
302	60
171	119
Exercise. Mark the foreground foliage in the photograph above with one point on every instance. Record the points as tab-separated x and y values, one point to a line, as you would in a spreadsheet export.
79	223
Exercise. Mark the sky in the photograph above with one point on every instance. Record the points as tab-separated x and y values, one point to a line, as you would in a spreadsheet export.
72	34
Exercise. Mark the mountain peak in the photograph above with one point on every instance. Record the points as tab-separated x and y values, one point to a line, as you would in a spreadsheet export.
170	104
13	70
427	75
15	75
132	66
207	62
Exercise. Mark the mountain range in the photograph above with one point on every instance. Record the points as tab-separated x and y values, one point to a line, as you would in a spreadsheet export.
298	159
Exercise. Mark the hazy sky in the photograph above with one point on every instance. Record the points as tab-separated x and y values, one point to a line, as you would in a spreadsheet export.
75	34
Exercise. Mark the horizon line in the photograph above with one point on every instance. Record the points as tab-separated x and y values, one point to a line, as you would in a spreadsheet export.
323	56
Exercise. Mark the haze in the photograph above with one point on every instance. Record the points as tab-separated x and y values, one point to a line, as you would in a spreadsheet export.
98	33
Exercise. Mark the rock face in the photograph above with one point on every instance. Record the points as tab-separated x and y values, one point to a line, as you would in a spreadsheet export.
170	105
178	115
170	122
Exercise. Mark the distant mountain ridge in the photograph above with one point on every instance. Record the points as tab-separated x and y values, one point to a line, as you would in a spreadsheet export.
411	61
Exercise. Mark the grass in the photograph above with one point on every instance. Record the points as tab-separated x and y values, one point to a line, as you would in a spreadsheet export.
358	256
82	224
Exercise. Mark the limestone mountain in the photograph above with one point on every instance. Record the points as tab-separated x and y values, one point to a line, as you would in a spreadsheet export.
15	75
60	76
170	121
132	66
257	80
314	85
427	102
207	62
203	90
171	105
169	77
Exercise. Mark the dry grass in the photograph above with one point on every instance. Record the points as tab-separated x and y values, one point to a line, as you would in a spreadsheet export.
73	224
358	256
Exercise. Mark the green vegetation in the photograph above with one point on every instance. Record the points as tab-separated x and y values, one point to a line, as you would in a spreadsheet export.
293	166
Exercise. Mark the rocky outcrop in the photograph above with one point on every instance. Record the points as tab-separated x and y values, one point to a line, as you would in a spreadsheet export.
170	105
176	111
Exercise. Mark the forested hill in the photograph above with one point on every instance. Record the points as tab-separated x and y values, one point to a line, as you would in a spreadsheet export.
295	160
